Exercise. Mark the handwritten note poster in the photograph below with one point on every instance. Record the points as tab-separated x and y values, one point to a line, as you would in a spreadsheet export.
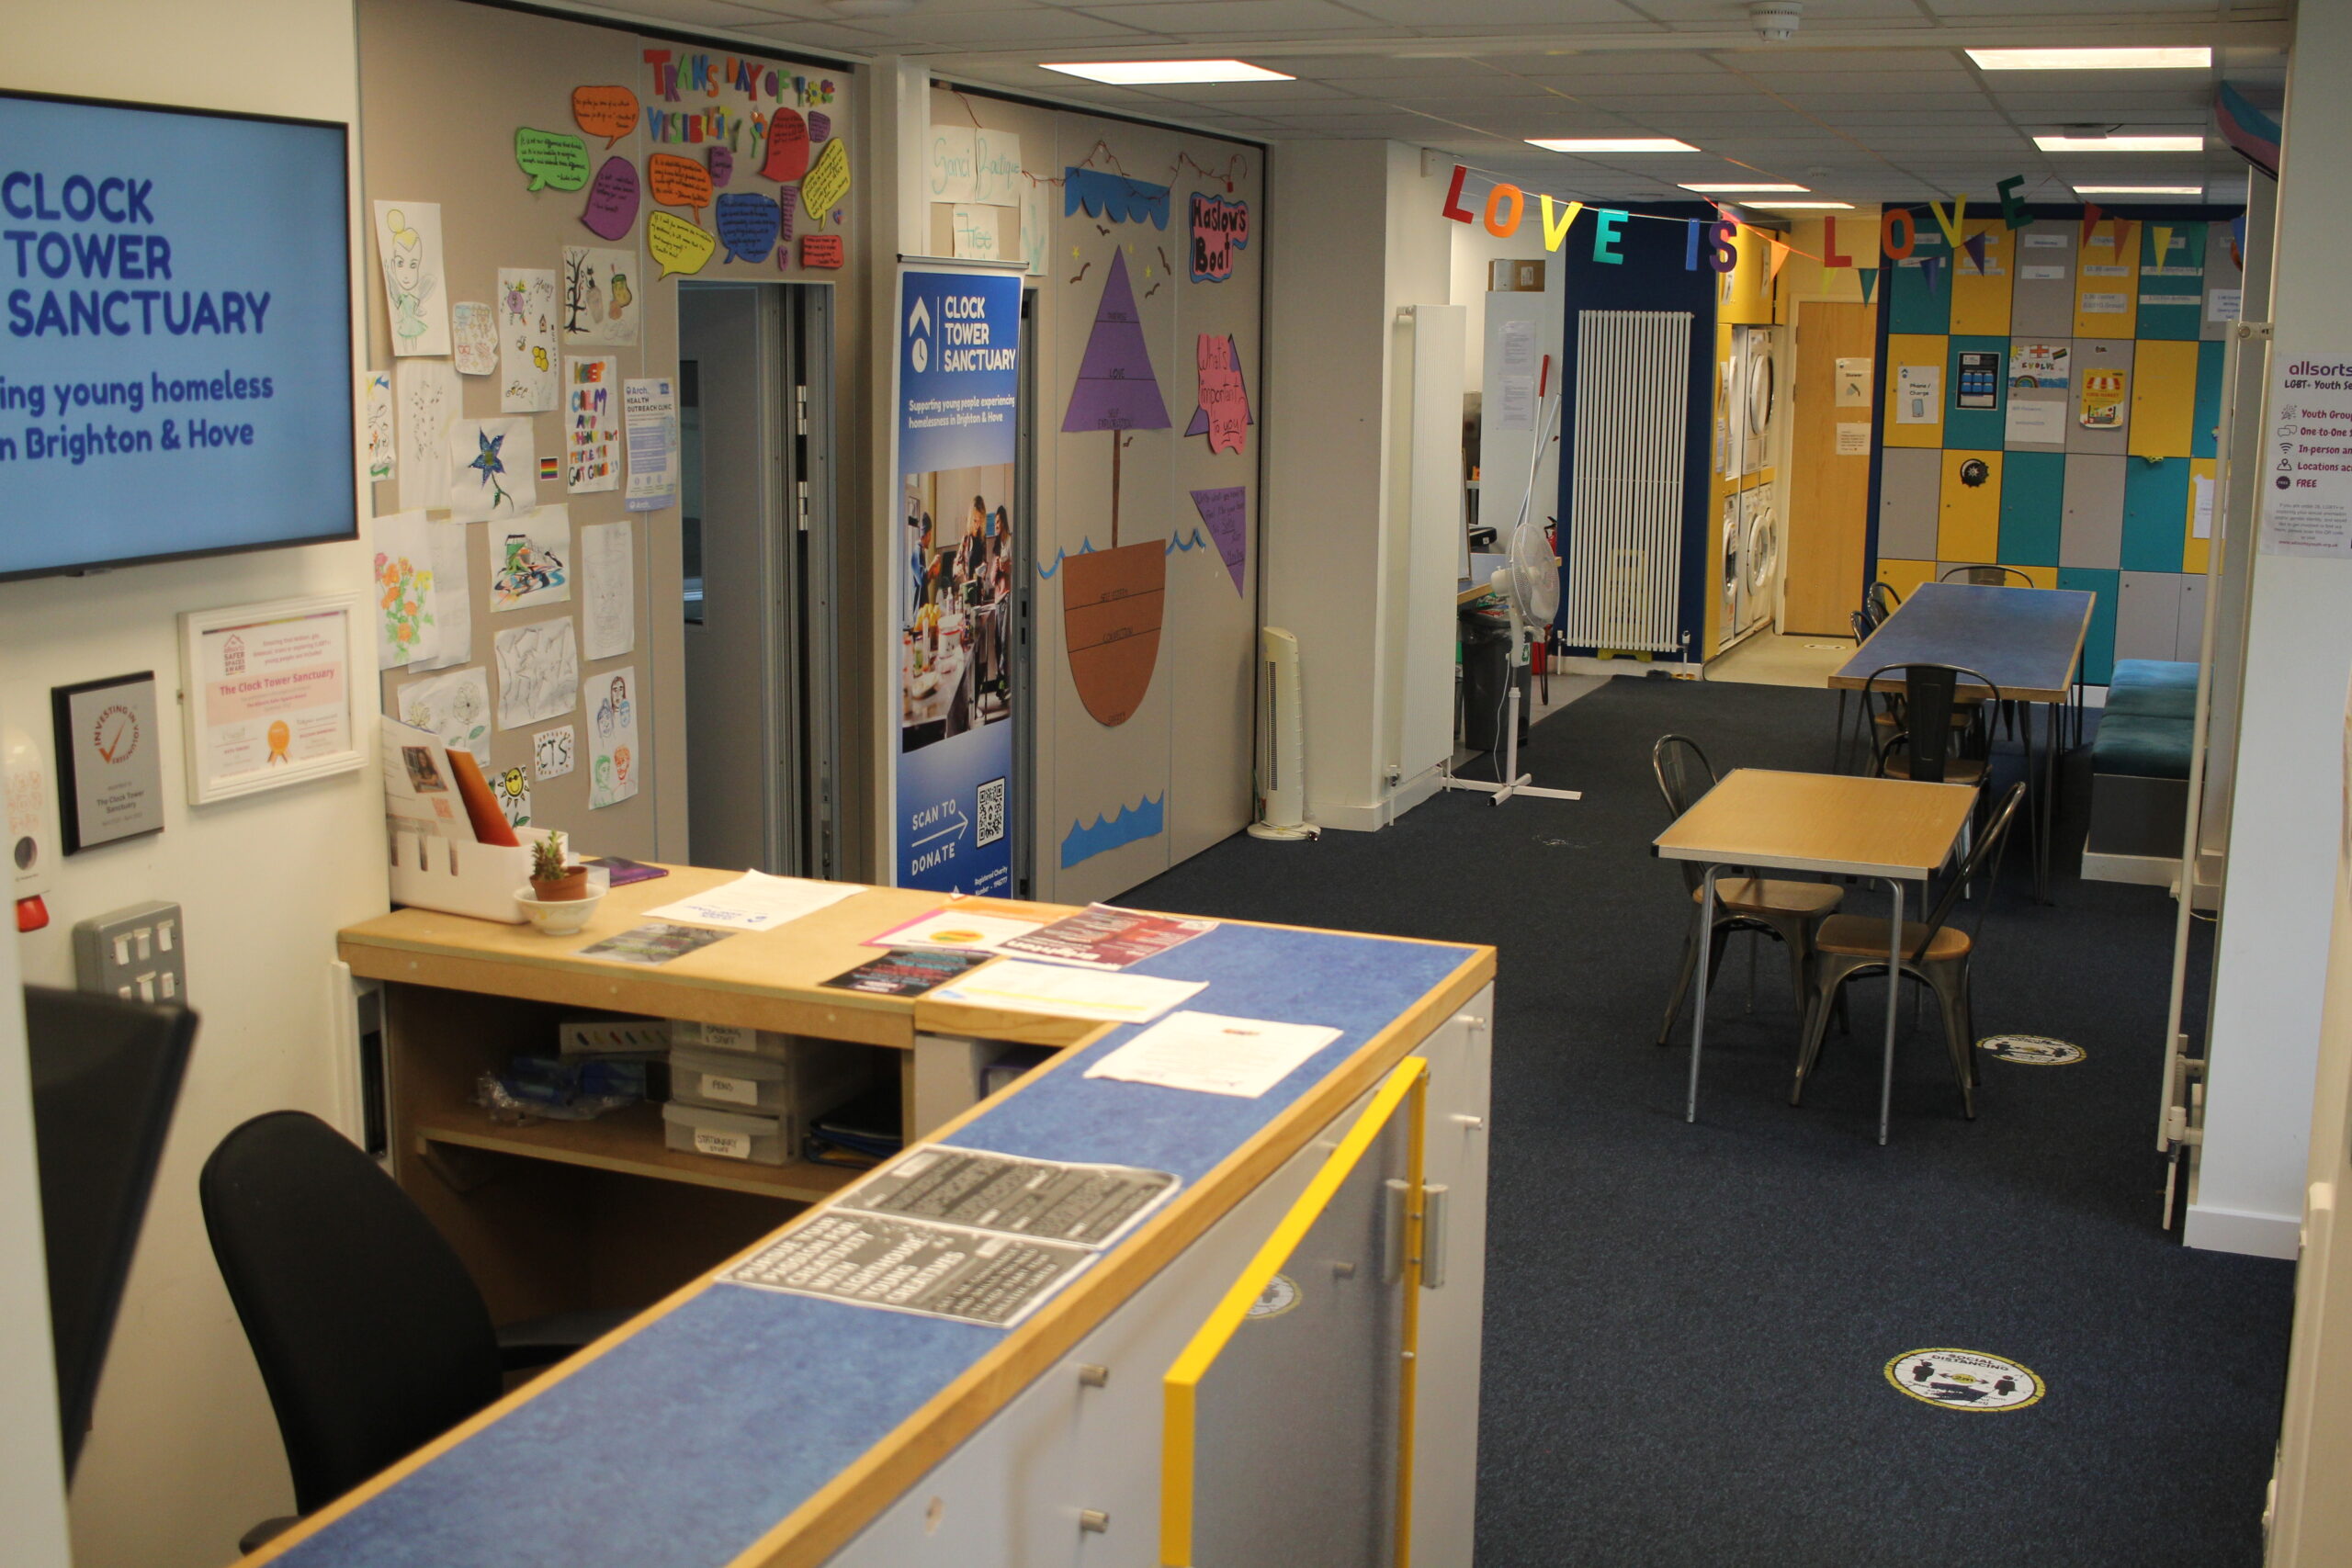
1226	513
591	423
526	309
1224	404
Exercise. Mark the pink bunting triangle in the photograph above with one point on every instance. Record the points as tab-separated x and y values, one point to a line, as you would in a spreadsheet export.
1974	246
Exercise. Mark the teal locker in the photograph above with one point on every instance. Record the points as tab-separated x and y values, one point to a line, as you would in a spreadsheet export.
1912	306
2155	507
2099	644
2207	420
2033	498
2172	287
1969	429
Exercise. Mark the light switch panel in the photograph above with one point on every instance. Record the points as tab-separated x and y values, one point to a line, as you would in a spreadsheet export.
138	953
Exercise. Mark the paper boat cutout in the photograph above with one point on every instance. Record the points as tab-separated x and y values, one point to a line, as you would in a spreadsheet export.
1112	602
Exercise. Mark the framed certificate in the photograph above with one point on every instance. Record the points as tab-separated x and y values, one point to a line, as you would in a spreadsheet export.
109	760
269	693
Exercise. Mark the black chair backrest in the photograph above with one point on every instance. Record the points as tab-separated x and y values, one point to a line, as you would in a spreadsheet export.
371	1338
1881	602
1985	576
1683	776
1862	626
1986	852
104	1077
1927	696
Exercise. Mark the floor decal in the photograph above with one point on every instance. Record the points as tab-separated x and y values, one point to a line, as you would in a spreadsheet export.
2031	1050
1964	1380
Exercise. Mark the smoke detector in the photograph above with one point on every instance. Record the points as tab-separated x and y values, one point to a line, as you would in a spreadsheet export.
1776	20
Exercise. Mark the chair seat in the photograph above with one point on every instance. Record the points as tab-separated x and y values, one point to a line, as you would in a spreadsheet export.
1957	770
1864	936
1762	894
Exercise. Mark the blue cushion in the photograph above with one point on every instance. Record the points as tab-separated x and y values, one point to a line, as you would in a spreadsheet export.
2172	672
2142	745
2155	688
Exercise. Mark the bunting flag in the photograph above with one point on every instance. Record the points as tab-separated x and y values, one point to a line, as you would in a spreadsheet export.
2125	227
2161	237
1974	246
1928	267
2253	134
2091	215
1779	255
1869	276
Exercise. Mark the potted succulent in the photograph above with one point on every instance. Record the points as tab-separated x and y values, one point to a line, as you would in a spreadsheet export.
552	880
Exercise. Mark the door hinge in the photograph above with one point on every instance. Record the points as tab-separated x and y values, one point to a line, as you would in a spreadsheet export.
801	410
800	503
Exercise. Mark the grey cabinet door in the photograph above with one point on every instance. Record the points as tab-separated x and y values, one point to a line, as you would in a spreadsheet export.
2148	615
1910	484
2091	533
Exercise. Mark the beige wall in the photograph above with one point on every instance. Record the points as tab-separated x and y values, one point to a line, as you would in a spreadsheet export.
184	1454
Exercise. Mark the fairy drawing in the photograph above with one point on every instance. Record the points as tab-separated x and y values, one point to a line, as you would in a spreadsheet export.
404	266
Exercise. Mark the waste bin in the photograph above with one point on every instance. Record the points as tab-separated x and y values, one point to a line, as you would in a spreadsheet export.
1486	672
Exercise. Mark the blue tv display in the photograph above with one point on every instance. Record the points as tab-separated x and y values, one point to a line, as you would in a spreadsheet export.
176	373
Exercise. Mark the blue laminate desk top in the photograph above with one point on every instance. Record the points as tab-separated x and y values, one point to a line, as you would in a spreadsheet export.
686	1442
2026	640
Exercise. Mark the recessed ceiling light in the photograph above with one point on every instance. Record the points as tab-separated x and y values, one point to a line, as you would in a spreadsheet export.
1736	190
2120	143
1157	72
1609	144
1802	206
2139	190
2197	59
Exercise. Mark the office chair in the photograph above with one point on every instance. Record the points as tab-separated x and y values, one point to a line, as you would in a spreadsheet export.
104	1077
1936	954
1785	911
372	1339
1986	576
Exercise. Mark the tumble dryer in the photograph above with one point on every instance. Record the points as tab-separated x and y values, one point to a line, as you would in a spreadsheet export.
1755	398
1730	571
1759	559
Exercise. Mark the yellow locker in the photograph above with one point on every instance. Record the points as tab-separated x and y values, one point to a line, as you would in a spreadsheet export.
1904	576
2043	576
1924	353
1967	522
2163	398
2195	553
2107	281
1980	301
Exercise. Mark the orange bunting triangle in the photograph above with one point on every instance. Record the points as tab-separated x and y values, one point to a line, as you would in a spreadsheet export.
1779	255
2091	215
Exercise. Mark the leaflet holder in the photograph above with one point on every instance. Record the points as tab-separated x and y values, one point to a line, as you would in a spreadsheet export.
432	872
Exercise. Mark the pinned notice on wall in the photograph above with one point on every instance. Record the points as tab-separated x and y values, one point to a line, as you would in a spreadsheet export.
538	672
425	394
600	301
650	406
1918	394
493	469
2035	424
2106	304
592	422
614	760
1221	397
1226	512
1853	438
406	626
2042	272
974	230
408	240
608	589
2200	506
527	368
2224	304
2307	476
1854	382
530	560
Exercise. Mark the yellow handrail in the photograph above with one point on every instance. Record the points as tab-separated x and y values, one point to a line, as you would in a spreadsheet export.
1408	1081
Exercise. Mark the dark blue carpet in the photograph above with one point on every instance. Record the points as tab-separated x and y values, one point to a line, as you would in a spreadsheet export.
1686	1326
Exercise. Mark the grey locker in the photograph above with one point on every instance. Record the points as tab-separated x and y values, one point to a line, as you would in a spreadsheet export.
2148	615
2190	641
1910	484
2091	531
2221	272
2043	307
2062	396
2100	353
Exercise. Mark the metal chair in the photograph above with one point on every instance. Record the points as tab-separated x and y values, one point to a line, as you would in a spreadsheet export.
1785	911
1881	601
1936	955
1924	702
1986	576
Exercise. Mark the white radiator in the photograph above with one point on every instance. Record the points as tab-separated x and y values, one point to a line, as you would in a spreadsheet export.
1623	543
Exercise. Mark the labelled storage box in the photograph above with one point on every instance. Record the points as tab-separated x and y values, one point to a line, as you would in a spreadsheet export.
817	1074
731	1080
726	1134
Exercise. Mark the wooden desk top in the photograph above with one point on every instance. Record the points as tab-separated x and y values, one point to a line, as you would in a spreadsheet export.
772	979
1822	822
2027	641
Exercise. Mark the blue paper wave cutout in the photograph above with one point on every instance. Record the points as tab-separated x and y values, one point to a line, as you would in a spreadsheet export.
1085	548
1194	543
1114	196
1125	825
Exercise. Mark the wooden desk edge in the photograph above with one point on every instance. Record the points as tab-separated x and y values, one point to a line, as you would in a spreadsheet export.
857	1495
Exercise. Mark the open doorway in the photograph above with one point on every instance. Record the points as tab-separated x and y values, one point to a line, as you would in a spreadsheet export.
757	534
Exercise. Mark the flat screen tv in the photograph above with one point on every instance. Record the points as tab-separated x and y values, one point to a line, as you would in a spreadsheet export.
176	373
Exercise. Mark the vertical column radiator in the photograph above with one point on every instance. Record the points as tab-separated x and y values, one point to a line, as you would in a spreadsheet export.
1623	543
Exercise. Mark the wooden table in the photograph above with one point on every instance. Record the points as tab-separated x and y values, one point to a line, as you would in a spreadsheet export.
2027	641
1890	829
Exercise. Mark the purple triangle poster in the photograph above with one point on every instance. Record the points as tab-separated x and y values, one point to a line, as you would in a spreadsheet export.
1116	389
1226	512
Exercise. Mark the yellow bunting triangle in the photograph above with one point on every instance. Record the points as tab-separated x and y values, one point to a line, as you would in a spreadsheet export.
2163	237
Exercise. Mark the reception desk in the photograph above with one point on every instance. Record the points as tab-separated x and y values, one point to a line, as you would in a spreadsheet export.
1335	1420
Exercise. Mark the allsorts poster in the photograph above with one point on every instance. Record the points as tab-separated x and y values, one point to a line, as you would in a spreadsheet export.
958	385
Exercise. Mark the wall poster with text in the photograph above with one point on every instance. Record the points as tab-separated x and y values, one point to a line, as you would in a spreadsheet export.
958	388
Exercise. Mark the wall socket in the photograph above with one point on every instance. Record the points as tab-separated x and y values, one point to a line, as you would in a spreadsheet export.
138	953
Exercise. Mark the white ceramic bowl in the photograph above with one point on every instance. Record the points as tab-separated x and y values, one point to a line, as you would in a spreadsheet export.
560	917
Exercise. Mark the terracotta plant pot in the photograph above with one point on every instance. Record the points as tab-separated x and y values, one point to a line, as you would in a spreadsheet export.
572	883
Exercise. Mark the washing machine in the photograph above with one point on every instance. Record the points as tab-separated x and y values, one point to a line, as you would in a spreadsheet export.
1732	574
1755	400
1759	559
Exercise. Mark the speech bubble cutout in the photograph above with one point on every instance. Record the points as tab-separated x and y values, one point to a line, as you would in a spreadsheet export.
677	245
820	125
612	201
787	145
748	225
827	181
723	166
608	112
554	158
678	182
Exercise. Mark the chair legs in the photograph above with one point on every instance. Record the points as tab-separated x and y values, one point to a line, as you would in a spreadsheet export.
1948	980
1793	931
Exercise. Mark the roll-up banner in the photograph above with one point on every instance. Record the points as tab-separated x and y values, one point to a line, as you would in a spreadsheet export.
958	388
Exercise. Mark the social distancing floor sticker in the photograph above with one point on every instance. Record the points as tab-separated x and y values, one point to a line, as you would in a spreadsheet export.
1965	1380
2031	1050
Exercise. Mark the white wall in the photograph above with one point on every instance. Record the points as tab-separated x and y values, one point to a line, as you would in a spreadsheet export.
1355	235
184	1454
1503	455
2271	950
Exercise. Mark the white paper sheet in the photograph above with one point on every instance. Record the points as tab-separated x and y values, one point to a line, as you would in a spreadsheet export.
591	423
427	396
420	792
1918	394
1514	402
408	243
608	589
1518	345
956	929
476	328
2224	304
1854	439
2200	513
600	295
529	371
650	414
2036	421
455	706
530	560
493	469
997	180
615	762
538	672
407	627
375	425
453	596
755	902
1017	985
1209	1054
